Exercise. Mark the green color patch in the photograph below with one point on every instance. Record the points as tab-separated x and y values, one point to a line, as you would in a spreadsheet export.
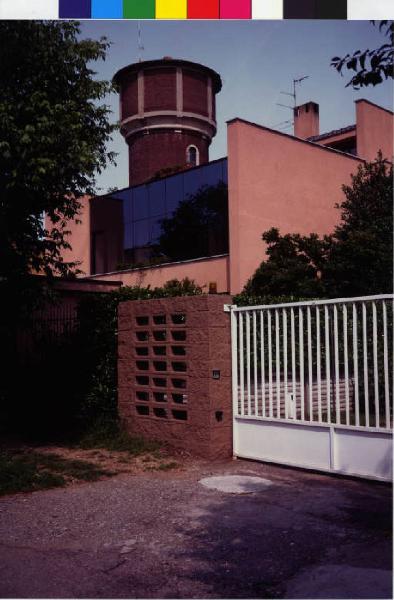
138	9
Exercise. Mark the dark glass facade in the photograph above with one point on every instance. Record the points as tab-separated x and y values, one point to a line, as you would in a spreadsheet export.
146	205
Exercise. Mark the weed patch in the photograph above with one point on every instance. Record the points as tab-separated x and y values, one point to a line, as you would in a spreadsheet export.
32	471
109	437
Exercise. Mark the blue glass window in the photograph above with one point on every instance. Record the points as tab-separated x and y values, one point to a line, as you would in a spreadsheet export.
140	203
192	182
145	206
141	233
157	198
128	235
155	231
174	193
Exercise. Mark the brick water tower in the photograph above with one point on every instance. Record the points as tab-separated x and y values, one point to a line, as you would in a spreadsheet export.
168	115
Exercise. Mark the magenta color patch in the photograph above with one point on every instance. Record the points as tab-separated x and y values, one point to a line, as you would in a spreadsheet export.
235	9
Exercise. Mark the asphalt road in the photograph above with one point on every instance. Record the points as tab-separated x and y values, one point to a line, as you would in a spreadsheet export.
164	535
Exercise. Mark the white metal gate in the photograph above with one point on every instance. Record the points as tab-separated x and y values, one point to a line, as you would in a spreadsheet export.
313	383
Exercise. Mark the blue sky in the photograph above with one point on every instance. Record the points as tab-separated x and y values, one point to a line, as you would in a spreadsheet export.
256	60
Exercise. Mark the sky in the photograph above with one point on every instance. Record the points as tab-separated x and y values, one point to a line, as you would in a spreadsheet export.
257	60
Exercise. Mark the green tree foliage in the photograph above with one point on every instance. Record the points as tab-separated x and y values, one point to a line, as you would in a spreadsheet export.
360	258
356	259
371	67
54	130
293	265
198	227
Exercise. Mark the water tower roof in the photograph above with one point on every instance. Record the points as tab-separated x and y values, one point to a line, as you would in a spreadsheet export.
168	61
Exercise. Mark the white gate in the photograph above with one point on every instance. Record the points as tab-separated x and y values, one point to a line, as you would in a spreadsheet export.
313	383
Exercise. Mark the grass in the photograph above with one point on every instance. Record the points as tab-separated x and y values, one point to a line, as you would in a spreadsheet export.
162	467
108	436
28	471
32	471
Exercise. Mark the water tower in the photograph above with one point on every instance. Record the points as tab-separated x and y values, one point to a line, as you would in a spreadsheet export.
168	115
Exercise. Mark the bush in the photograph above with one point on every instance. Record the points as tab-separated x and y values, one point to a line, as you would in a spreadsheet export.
98	346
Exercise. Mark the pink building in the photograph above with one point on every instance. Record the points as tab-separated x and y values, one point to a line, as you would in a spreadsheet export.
291	182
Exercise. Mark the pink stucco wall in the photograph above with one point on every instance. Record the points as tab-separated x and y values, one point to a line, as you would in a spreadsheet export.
78	237
374	130
203	271
276	180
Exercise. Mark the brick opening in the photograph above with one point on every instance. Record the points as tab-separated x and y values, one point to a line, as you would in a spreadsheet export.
176	344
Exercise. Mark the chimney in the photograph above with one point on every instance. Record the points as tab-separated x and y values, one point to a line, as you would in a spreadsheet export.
306	120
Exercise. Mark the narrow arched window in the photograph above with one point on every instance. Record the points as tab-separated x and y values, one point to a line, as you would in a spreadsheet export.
192	156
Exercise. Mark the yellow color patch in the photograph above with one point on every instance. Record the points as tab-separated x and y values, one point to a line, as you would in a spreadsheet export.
171	9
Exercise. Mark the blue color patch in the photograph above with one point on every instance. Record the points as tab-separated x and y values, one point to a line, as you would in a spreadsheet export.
74	9
107	9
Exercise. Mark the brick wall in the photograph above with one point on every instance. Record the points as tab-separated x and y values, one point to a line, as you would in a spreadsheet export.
160	89
129	96
195	92
174	372
161	149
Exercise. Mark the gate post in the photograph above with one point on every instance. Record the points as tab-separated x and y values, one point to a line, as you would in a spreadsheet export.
174	372
234	369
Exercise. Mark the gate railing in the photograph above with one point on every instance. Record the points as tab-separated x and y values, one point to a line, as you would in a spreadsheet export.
326	362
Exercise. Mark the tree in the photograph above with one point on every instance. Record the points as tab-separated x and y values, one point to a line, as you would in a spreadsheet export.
360	258
293	266
355	260
54	130
371	66
198	227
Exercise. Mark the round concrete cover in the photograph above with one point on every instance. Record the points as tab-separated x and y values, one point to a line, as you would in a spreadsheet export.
236	484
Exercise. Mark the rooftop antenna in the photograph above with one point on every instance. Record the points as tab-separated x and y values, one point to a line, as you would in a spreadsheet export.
140	44
294	94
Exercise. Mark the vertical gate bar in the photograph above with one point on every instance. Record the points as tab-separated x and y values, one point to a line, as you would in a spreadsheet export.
328	373
309	326
336	361
262	365
247	317
318	365
365	357
346	361
241	363
385	366
270	362
301	354
375	363
284	318
255	363
293	359
277	363
234	363
355	365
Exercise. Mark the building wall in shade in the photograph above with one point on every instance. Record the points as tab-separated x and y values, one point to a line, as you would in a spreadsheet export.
204	271
107	231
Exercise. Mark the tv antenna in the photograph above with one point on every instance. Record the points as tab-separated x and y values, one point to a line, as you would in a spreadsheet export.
140	44
294	94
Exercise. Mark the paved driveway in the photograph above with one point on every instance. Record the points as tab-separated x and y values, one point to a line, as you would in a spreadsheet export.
164	535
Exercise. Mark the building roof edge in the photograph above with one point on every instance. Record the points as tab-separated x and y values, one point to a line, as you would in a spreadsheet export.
293	137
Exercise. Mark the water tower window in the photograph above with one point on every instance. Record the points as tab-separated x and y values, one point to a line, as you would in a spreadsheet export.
192	156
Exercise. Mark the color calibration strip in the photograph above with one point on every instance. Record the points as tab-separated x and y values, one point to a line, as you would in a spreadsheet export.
196	9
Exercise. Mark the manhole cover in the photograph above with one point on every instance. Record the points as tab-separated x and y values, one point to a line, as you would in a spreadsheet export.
236	484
